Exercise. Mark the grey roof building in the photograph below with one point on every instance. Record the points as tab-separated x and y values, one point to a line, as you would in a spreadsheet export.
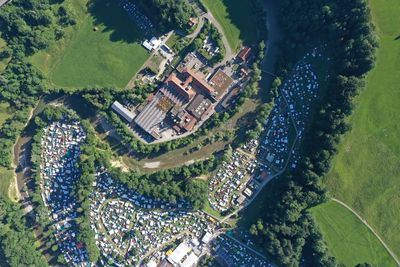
124	112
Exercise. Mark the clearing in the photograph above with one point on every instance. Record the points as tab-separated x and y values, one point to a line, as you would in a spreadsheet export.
237	20
3	61
348	238
102	49
4	112
366	172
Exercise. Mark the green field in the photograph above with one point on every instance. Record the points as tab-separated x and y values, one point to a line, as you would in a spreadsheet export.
5	180
103	49
4	61
236	19
4	113
366	172
348	239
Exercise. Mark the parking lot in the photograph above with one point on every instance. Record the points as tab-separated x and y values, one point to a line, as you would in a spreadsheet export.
129	226
140	19
60	153
233	253
286	125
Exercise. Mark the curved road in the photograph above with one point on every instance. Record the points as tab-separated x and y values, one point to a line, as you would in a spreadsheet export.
228	50
370	228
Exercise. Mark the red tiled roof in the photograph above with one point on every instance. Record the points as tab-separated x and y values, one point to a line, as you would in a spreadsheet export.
245	53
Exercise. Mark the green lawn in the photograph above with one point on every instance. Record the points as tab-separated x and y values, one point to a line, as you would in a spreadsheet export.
5	180
366	172
3	62
237	20
348	239
4	114
103	49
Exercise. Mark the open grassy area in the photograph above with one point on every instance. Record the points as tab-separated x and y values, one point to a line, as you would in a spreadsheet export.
237	20
6	177
4	113
366	172
4	61
102	49
348	239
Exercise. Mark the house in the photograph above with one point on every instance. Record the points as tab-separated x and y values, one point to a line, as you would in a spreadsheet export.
153	44
244	71
192	21
244	54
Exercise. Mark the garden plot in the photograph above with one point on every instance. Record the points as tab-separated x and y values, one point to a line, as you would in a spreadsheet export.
60	153
286	124
130	226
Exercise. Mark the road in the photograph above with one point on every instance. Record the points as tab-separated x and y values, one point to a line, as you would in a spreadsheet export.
370	228
198	29
228	50
3	2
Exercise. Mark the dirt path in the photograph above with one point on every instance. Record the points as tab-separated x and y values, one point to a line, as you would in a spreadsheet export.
15	161
370	228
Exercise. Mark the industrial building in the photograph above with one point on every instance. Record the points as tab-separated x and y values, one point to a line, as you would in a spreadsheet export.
182	102
122	111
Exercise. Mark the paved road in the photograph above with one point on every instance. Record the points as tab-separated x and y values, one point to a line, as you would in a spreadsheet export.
3	2
228	50
370	228
198	29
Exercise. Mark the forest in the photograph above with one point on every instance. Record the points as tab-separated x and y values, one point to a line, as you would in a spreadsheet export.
287	231
171	14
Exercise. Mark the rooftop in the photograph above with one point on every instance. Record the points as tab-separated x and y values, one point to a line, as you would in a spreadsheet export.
199	107
124	112
220	81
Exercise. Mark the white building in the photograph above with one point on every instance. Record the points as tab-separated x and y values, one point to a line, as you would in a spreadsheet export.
179	253
153	44
124	112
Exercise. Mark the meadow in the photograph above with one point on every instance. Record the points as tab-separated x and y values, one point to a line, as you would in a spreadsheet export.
236	19
5	175
348	239
102	49
4	61
4	113
366	172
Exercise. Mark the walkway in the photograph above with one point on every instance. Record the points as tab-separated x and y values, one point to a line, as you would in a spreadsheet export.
370	228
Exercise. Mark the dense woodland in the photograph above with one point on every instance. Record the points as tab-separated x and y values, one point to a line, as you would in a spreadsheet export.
17	242
171	14
287	231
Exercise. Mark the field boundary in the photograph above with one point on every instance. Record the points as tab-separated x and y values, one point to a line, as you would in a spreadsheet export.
392	254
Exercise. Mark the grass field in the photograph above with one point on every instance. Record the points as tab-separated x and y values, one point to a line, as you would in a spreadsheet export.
237	20
5	180
103	49
348	239
366	171
4	114
3	62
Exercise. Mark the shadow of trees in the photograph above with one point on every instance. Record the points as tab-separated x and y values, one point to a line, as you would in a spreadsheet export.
237	11
110	17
